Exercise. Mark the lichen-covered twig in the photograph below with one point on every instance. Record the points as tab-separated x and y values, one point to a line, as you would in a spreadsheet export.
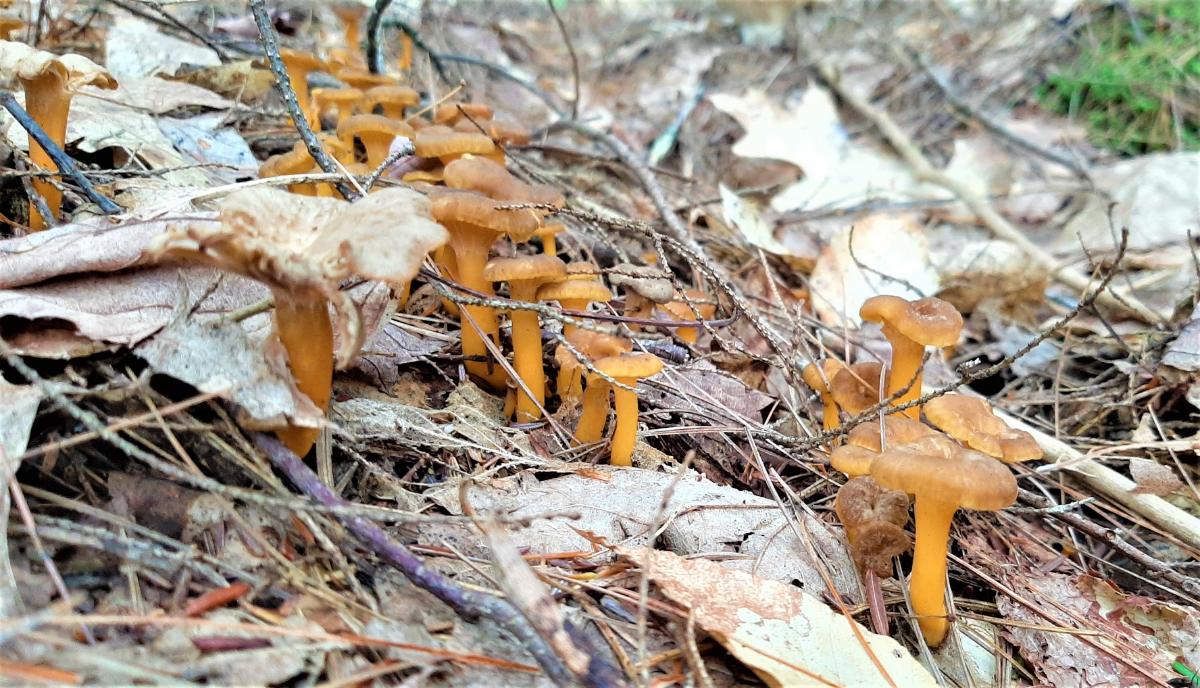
270	45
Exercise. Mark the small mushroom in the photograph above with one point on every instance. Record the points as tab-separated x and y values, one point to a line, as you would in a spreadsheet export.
447	145
547	234
362	79
970	420
391	98
681	309
874	519
943	477
819	376
376	133
351	16
50	81
897	428
449	113
344	99
910	326
626	369
299	65
302	248
592	345
644	287
295	161
856	388
475	223
575	295
524	274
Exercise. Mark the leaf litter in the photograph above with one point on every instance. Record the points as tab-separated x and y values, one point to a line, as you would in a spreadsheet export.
718	560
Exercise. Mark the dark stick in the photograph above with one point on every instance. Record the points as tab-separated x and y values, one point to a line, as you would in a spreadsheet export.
434	58
270	45
35	198
374	25
468	604
65	164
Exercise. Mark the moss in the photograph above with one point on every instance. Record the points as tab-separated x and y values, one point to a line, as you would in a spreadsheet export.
1136	88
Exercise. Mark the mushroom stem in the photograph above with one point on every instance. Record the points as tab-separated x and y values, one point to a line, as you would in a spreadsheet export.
927	585
906	363
570	380
595	411
47	101
527	352
830	414
302	321
470	258
625	433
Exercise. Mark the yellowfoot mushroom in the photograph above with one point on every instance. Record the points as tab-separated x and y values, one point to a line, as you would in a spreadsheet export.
910	326
49	81
302	248
970	420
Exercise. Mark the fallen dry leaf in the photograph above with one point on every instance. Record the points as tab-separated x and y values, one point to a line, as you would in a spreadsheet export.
1153	477
788	637
896	253
137	48
701	384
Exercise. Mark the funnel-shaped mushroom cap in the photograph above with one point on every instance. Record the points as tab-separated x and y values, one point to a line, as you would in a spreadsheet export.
851	460
856	388
441	142
898	429
20	61
524	268
938	468
449	113
375	124
598	344
305	244
362	79
970	420
819	376
480	211
582	270
489	178
649	282
929	322
575	289
632	365
304	61
391	96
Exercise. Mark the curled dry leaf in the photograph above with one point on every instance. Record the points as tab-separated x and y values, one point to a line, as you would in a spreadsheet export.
788	637
895	253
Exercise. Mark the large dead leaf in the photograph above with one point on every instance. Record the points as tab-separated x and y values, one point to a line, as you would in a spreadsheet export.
895	252
700	385
137	48
808	133
700	518
788	637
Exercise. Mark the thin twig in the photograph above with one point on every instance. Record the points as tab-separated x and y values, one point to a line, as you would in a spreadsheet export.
468	604
374	26
562	27
65	164
394	157
270	45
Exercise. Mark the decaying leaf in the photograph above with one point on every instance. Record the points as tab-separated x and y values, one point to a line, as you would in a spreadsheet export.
1153	477
700	518
701	385
137	48
895	253
788	637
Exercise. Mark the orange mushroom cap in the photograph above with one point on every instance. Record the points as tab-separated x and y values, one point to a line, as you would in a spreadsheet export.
898	429
970	420
856	388
626	369
489	178
443	142
344	99
909	328
852	460
376	133
449	113
943	476
362	79
393	98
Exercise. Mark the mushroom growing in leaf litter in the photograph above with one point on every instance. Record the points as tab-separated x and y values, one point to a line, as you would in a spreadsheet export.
909	327
376	133
50	81
856	388
625	369
302	247
943	477
819	376
874	518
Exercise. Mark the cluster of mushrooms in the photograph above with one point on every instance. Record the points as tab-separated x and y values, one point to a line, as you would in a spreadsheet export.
957	459
481	227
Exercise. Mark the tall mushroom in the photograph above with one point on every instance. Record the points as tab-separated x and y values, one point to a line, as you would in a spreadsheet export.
626	369
910	326
302	248
819	376
856	388
475	223
592	345
575	295
943	477
524	274
49	81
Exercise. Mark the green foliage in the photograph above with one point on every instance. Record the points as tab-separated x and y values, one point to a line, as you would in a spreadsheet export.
1138	90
